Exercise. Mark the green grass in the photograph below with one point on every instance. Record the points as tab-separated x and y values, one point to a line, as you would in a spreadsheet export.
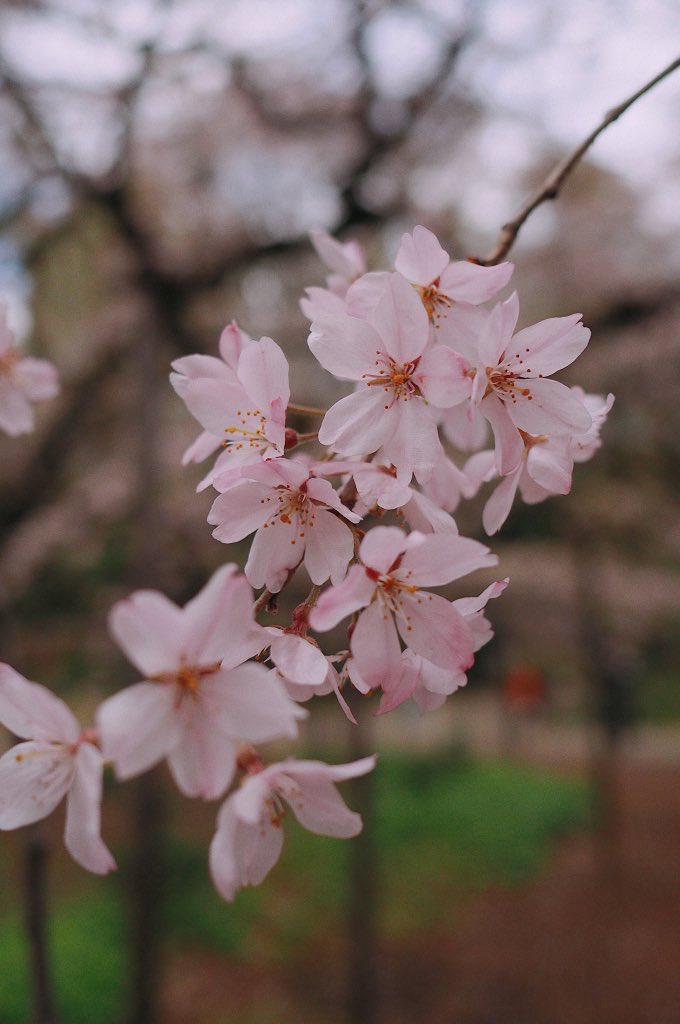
445	827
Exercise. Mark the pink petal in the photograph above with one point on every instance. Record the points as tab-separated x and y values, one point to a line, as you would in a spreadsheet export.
219	624
249	703
497	508
33	779
38	378
139	726
298	659
232	342
203	762
550	465
442	558
509	444
329	547
204	445
355	591
276	549
32	711
413	444
375	646
357	424
421	258
149	627
345	258
547	346
401	321
365	293
263	372
381	547
497	332
548	408
465	427
441	377
82	834
241	510
432	627
242	854
345	346
470	605
16	412
319	302
402	686
467	282
318	806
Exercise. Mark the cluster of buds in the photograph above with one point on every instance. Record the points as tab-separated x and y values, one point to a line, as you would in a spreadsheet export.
434	364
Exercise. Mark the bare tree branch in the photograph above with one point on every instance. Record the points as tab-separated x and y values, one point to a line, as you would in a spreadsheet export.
550	188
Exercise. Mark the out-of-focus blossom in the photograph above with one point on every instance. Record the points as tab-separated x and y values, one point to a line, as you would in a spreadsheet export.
23	380
58	760
249	834
198	698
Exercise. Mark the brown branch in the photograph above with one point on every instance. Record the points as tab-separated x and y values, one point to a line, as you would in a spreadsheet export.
552	185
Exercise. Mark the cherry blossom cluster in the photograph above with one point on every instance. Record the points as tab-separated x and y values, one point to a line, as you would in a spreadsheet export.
361	508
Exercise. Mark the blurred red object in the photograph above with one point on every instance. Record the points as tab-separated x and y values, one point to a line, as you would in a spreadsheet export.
524	689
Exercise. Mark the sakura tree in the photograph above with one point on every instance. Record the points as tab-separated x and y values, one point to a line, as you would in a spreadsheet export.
445	397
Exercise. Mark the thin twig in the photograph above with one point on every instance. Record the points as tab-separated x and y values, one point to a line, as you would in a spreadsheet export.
553	183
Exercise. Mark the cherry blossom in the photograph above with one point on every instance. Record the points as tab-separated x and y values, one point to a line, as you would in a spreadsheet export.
347	261
547	463
23	380
59	760
198	697
243	410
389	586
297	516
428	684
399	376
441	283
511	385
249	835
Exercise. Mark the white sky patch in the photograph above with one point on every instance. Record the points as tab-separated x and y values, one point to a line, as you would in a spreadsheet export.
404	50
46	48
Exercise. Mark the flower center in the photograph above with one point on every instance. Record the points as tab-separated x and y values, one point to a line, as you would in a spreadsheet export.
290	504
247	432
436	303
394	378
187	678
504	382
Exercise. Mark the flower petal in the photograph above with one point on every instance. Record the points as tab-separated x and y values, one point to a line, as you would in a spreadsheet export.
345	346
33	779
421	258
82	833
431	626
32	711
441	558
149	627
203	762
336	603
139	726
357	424
329	547
242	854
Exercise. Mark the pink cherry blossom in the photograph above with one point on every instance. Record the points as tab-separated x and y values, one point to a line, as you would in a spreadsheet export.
347	261
304	670
297	516
58	760
22	380
390	586
249	835
198	697
441	283
399	377
511	385
242	410
547	463
428	684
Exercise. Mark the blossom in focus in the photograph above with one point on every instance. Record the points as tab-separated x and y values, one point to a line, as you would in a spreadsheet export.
399	376
442	283
511	385
389	585
547	463
198	698
58	760
297	517
249	834
428	684
240	401
23	380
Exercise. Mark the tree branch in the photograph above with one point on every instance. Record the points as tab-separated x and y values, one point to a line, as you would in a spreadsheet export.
550	188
